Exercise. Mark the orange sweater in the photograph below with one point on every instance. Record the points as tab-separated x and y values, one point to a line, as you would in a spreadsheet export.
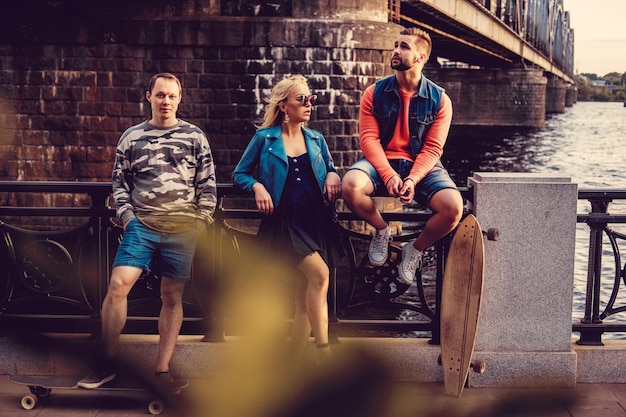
399	147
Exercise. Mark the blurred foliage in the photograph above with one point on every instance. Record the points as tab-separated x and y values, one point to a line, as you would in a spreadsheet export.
609	87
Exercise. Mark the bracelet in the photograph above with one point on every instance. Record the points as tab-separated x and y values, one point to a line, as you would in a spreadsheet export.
409	178
392	177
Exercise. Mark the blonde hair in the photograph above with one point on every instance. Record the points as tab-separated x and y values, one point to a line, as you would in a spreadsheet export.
273	115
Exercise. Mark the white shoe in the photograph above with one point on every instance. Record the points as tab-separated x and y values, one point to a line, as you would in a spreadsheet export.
96	378
409	265
379	247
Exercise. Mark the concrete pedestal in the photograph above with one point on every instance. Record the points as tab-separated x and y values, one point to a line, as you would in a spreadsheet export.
525	325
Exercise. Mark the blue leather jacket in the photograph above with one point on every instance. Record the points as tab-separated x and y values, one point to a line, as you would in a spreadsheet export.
267	152
422	110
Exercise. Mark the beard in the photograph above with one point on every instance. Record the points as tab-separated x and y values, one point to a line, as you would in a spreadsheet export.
399	65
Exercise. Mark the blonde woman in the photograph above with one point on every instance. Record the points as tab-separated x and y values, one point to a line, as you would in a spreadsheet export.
295	175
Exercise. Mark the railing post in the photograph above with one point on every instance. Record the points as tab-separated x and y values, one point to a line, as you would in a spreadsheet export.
441	254
592	335
333	322
213	285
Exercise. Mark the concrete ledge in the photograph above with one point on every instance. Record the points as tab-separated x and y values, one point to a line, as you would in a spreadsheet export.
602	364
407	360
526	369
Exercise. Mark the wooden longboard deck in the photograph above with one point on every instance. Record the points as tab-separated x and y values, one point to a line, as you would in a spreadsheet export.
460	304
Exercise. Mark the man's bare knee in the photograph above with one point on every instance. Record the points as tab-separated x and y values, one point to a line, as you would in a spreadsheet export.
454	211
121	282
347	184
172	293
355	184
448	202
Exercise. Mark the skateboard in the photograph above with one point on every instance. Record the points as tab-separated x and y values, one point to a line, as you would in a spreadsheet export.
460	304
41	387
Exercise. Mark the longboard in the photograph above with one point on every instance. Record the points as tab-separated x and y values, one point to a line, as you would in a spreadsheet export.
460	304
41	386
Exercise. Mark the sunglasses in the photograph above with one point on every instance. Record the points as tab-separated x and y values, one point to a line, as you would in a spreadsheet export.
304	100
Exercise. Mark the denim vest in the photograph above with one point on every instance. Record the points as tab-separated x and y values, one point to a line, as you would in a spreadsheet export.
422	110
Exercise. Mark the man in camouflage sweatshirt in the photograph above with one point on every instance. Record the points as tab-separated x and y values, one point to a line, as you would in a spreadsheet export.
165	195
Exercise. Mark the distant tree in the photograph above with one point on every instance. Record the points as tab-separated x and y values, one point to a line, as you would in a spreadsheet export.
590	75
584	88
588	92
614	78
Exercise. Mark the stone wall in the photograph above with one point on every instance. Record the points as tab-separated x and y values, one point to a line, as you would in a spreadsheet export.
73	77
496	97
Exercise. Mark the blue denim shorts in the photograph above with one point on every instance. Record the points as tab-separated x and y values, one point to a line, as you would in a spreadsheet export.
436	180
173	252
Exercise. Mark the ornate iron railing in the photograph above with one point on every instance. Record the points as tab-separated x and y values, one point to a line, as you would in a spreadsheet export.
598	308
54	278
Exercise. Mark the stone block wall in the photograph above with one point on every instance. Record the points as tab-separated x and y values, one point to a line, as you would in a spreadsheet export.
72	79
496	97
556	90
73	76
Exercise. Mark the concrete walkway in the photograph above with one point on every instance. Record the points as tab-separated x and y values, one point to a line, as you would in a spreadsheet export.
399	399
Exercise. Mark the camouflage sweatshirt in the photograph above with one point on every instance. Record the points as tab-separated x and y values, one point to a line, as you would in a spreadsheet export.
164	175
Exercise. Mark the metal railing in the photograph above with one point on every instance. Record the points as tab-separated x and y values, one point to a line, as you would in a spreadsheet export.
365	299
54	280
597	309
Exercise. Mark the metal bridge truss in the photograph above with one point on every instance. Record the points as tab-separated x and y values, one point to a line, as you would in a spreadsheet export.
495	33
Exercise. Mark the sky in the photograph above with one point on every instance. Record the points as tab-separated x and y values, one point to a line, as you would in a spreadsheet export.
599	35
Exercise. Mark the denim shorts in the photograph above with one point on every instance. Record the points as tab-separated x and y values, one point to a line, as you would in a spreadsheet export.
173	252
436	180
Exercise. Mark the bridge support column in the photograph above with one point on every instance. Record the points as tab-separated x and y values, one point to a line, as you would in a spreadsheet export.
524	333
494	97
571	95
555	95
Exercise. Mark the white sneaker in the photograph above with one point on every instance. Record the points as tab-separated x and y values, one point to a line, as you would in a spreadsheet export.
96	378
409	265
379	247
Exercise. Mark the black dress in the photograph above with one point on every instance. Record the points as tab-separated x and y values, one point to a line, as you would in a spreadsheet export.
301	223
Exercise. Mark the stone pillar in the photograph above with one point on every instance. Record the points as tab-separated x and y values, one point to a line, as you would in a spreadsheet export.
494	97
571	95
524	334
555	95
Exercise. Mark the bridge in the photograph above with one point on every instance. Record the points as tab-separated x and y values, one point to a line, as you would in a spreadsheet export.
73	74
492	33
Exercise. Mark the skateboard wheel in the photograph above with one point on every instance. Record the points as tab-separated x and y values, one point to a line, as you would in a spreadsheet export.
493	233
479	367
155	407
28	402
439	361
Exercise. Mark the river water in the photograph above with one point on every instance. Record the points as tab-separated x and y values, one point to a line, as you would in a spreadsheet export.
587	143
